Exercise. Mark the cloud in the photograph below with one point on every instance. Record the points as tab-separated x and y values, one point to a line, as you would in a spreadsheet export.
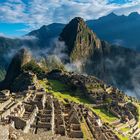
35	13
13	11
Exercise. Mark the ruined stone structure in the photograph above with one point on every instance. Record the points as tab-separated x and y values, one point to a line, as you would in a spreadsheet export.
38	112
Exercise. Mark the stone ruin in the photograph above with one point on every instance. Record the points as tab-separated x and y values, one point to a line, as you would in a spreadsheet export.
41	113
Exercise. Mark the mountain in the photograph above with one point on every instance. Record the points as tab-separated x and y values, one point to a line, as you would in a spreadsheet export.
45	34
122	30
6	44
20	58
76	100
35	40
79	38
114	64
82	44
8	47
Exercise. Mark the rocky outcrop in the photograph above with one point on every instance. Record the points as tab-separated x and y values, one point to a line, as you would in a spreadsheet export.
113	64
24	81
81	42
21	58
82	45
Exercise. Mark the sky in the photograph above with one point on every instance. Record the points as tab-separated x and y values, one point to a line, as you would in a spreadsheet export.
18	17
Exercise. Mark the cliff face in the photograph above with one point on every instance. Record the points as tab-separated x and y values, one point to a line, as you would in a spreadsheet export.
21	58
24	81
113	64
80	40
82	44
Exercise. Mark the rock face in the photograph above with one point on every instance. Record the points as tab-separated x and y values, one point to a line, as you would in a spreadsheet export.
24	81
111	63
21	58
80	40
82	44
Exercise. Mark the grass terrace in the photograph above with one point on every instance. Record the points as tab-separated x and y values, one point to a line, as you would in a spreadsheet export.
62	92
122	137
67	95
105	115
58	86
125	129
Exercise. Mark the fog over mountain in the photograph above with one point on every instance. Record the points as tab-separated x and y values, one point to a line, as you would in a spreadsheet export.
79	48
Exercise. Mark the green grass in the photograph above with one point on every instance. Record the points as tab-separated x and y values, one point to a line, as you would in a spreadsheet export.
67	95
104	115
122	137
35	68
57	85
86	132
59	91
2	74
125	129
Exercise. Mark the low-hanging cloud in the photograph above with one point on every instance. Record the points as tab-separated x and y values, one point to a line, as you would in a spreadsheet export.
131	84
57	49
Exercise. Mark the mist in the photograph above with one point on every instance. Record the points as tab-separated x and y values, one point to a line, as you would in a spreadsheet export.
131	84
55	55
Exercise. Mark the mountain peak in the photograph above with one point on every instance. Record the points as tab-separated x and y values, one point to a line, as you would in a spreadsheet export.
112	14
79	39
134	14
43	27
77	19
76	22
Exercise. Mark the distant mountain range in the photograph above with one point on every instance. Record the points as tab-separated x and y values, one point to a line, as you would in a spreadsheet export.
121	30
114	64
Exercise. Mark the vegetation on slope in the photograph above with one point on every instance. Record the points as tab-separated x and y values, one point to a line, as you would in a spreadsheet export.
105	115
2	74
35	68
60	91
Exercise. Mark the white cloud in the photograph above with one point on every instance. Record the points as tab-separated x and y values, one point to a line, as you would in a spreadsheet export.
35	13
13	11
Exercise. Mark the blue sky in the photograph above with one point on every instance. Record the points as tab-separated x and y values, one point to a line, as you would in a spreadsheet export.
18	17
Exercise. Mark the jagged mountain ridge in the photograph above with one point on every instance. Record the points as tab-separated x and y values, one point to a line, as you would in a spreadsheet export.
108	62
46	33
34	40
118	29
125	32
78	37
120	34
96	57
